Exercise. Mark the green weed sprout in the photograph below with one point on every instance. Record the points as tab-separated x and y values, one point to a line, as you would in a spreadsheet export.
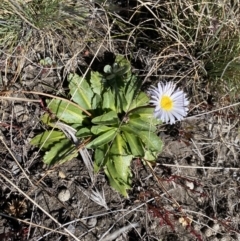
111	116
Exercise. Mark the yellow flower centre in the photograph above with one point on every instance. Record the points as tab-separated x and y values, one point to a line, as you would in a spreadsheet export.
166	103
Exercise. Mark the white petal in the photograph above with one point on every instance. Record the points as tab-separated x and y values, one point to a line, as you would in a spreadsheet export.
178	116
172	119
154	92
155	98
179	111
165	117
177	95
160	89
180	102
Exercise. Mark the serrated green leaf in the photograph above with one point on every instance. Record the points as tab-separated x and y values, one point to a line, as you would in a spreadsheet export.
131	92
120	71
76	126
118	146
102	139
153	122
135	144
129	129
100	129
120	101
109	118
150	155
122	166
84	132
47	139
151	141
61	152
146	113
141	125
96	82
46	119
108	100
81	91
114	180
123	62
96	102
66	111
100	157
141	100
121	160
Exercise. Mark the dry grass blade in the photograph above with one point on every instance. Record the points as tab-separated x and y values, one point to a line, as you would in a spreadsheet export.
70	131
203	167
96	197
32	224
14	158
122	230
212	111
17	9
19	99
67	232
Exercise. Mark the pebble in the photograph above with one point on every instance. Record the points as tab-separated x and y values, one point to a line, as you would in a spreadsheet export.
15	169
227	238
190	185
64	195
71	228
19	110
23	118
91	222
208	232
61	174
216	227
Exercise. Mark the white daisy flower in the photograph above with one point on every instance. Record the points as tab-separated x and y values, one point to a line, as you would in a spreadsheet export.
171	103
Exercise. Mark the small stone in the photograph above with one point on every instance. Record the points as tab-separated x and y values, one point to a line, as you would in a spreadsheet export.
153	225
71	228
190	185
216	227
91	222
208	232
15	169
19	110
62	174
64	195
226	238
23	118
